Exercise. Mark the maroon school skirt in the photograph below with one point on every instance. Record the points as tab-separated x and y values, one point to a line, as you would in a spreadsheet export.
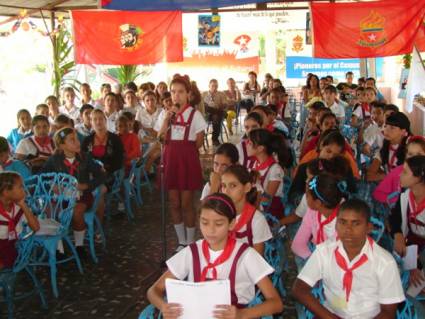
276	208
8	253
86	198
182	166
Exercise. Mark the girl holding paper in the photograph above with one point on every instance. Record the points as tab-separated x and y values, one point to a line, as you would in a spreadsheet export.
217	257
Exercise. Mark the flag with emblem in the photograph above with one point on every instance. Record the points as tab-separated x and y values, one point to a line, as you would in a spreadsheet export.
126	37
362	30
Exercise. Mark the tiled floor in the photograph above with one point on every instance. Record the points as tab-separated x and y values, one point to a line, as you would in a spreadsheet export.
116	287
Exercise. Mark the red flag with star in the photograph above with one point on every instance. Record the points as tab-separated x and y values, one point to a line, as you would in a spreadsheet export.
127	37
365	29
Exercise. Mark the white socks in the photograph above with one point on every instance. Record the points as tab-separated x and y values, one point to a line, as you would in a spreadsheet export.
181	235
190	235
79	237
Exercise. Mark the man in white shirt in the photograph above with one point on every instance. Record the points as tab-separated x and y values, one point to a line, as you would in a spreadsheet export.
360	279
329	95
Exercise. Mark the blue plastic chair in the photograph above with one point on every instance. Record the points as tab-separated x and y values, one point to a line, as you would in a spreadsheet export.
141	173
130	186
53	196
93	224
8	276
150	312
114	195
378	229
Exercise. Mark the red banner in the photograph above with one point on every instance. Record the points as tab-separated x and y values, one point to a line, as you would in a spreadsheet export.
365	29
127	37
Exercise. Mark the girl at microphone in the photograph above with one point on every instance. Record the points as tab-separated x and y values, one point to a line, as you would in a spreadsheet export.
251	225
182	130
216	257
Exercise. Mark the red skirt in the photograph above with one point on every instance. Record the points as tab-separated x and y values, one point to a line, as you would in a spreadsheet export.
86	198
276	207
182	167
8	253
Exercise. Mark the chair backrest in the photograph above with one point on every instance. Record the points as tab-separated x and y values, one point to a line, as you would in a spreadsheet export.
378	229
118	180
52	195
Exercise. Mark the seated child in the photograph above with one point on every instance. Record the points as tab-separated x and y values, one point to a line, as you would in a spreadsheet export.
53	104
251	226
216	257
225	155
42	109
324	194
35	150
69	108
23	130
7	163
84	128
251	122
13	213
130	141
360	279
69	159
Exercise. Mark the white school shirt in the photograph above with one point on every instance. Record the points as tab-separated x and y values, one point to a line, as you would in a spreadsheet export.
338	110
26	147
275	173
83	130
359	112
373	135
132	109
4	230
205	191
404	205
73	113
111	121
390	155
375	282
250	270
260	229
198	125
146	119
240	152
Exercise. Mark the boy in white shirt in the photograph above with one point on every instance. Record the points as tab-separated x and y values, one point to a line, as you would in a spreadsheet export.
329	95
373	135
69	108
360	279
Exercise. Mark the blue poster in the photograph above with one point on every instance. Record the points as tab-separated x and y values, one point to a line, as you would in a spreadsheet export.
297	67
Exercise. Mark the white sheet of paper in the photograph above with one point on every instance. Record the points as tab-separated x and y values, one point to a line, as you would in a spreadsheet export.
198	299
413	291
410	261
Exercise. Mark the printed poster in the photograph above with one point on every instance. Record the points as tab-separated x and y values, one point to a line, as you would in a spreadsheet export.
209	30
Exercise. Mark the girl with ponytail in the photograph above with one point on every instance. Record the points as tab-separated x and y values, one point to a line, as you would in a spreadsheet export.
251	226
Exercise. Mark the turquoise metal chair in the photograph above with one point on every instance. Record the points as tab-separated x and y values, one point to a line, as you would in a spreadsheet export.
115	194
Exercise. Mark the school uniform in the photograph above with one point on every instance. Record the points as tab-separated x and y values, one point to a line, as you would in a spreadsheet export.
375	279
408	218
73	113
314	228
132	109
111	120
83	129
147	119
32	149
244	268
244	159
16	135
182	167
338	110
19	167
256	229
205	191
392	158
82	167
362	111
373	136
11	225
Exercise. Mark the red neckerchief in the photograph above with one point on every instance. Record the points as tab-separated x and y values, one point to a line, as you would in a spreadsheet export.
392	161
225	255
44	142
11	226
320	238
8	162
72	167
267	163
248	212
347	281
179	115
415	209
365	107
270	127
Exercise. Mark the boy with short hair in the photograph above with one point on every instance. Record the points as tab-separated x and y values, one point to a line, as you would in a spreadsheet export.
42	109
84	128
329	95
372	135
360	278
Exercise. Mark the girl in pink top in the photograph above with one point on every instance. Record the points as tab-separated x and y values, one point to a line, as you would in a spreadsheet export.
391	183
324	194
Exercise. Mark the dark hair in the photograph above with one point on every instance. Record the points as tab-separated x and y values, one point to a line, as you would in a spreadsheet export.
330	77
417	166
229	150
329	137
244	177
417	139
326	115
378	105
261	108
337	166
7	180
361	80
130	86
317	105
308	82
221	204
182	81
195	95
391	107
149	93
20	112
60	136
112	95
349	73
64	119
86	107
105	86
4	145
278	90
328	189
371	79
123	118
330	89
130	116
39	118
53	98
254	117
40	106
273	143
165	95
358	206
400	153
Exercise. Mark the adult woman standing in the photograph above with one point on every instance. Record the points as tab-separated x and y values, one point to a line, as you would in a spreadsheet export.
182	129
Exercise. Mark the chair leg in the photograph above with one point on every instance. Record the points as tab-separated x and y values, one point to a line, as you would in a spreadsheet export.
127	200
38	287
51	249
99	228
8	292
75	254
90	233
